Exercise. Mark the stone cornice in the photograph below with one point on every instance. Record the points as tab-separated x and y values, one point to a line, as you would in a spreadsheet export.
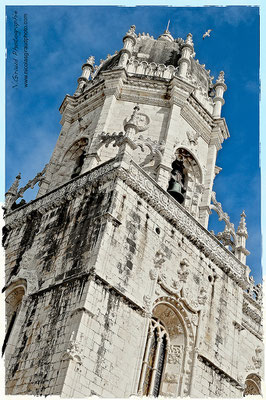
114	290
220	372
58	196
221	123
196	123
205	115
135	90
247	326
71	105
251	300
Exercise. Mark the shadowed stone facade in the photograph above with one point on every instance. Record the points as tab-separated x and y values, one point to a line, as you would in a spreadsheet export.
114	285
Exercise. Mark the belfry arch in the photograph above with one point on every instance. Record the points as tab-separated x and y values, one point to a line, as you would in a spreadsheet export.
187	171
73	159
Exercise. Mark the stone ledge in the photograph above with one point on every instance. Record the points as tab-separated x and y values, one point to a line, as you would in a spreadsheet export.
220	372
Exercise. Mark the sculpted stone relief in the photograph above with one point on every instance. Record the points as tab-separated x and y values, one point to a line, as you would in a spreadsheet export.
13	193
256	360
74	349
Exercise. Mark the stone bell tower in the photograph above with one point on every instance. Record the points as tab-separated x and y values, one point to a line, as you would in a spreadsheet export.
114	285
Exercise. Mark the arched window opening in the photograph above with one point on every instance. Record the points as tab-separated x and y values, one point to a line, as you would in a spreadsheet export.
186	182
173	371
163	365
154	359
78	165
72	161
252	385
13	304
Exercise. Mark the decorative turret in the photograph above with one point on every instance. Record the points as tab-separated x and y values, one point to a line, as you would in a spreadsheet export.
186	52
219	87
11	194
87	70
242	235
129	41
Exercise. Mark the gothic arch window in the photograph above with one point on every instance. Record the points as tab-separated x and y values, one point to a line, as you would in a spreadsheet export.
252	385
14	295
165	354
73	160
186	180
154	359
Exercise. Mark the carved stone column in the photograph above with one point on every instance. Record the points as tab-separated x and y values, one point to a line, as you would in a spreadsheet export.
129	41
219	87
184	61
87	69
242	234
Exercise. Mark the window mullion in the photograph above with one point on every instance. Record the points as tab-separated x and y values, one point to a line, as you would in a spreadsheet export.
155	365
146	357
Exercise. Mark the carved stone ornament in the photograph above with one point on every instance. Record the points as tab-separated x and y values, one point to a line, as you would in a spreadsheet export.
175	354
13	193
118	139
257	359
193	137
141	120
159	259
223	216
156	151
171	286
147	301
183	272
83	125
153	274
170	378
74	350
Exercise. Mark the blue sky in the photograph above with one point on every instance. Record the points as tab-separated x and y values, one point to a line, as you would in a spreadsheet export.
62	38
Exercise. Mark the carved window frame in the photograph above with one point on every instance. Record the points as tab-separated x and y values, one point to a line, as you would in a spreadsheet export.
154	359
193	179
252	383
12	322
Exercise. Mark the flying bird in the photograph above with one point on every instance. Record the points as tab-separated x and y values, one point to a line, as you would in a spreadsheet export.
206	34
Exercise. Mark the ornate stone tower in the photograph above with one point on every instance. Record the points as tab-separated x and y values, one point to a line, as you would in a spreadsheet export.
114	285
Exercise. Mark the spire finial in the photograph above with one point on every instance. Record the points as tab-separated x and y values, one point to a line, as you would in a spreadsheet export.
91	60
189	39
242	229
131	30
167	29
220	78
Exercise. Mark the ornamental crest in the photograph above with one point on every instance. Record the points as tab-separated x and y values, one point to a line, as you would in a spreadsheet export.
141	120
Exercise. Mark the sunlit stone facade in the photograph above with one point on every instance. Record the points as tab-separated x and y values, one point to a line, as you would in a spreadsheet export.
114	285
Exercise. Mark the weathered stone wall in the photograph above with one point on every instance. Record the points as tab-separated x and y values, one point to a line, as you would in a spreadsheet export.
108	249
132	249
37	365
